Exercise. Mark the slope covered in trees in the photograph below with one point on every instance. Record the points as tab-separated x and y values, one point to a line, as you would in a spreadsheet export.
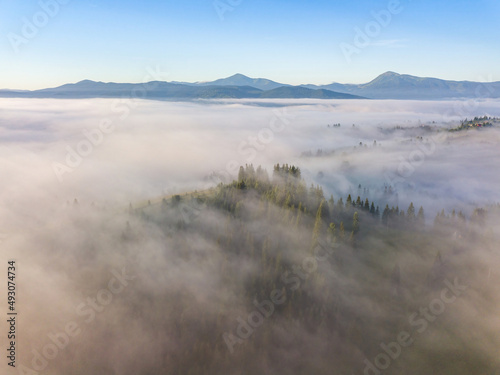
310	284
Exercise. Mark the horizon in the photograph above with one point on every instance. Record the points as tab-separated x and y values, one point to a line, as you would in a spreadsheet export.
247	76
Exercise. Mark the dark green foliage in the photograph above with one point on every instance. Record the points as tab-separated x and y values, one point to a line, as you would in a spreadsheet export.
385	215
285	171
366	207
355	223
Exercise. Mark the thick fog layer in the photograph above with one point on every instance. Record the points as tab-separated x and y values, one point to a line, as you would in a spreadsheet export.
73	171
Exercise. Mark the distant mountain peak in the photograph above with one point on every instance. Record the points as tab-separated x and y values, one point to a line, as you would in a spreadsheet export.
239	75
239	79
387	79
390	73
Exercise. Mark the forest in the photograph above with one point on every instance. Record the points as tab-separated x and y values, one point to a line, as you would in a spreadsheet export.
308	283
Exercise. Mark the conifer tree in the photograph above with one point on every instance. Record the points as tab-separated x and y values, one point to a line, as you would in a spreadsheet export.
367	205
241	174
355	223
318	224
340	205
410	213
421	218
342	231
385	215
332	233
358	202
331	203
348	203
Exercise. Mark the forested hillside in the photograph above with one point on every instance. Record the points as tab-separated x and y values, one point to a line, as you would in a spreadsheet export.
310	284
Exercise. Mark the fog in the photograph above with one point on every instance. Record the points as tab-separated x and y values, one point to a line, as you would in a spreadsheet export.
73	170
154	148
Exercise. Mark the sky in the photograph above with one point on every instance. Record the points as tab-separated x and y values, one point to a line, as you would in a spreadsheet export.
47	43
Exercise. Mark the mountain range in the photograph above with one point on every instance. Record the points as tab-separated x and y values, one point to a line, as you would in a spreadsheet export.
392	85
388	85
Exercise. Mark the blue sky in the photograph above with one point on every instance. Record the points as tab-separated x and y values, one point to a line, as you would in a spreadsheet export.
287	41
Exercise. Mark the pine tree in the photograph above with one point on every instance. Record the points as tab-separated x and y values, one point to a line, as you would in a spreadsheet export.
367	205
440	218
342	231
331	204
340	205
410	213
355	223
358	202
348	203
372	209
385	215
241	174
332	233
318	224
420	218
276	171
263	176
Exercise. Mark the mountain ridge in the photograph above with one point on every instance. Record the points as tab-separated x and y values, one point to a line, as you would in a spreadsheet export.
174	91
392	85
388	85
